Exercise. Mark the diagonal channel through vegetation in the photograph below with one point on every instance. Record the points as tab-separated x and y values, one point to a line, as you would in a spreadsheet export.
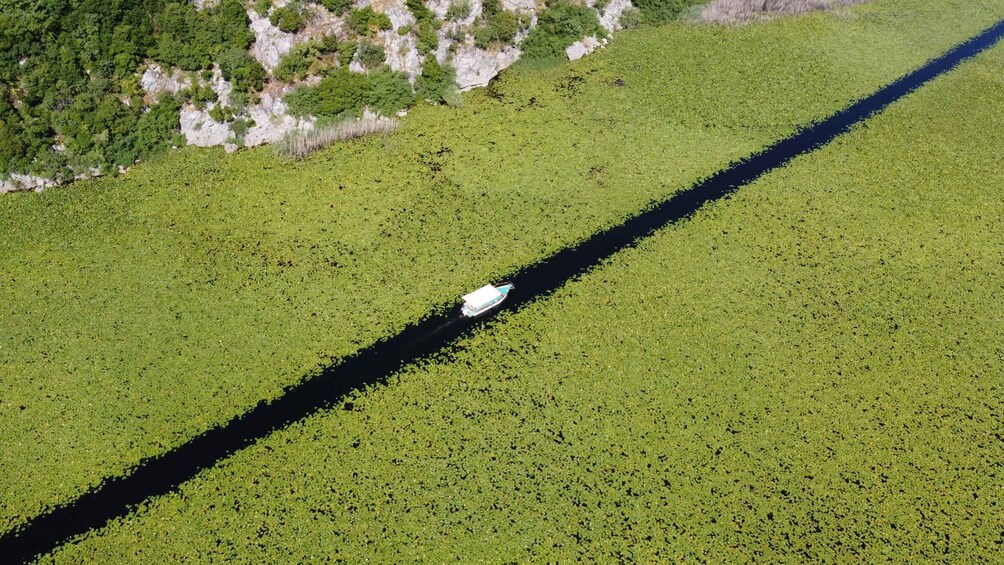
162	474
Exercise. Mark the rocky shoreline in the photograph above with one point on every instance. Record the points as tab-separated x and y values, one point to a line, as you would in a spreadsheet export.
267	119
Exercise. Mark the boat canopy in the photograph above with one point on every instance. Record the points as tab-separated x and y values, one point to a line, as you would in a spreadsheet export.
482	297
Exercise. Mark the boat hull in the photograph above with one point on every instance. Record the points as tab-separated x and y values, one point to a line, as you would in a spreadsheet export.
504	289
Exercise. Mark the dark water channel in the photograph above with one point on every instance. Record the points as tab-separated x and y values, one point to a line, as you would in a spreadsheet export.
162	474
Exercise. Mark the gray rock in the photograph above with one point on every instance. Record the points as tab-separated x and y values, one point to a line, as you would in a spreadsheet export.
581	48
220	86
440	7
475	67
271	119
402	54
270	43
17	181
200	129
203	4
610	19
399	14
156	81
443	50
520	5
323	23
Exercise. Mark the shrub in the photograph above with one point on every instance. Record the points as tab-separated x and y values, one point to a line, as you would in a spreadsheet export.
200	94
307	58
558	27
631	18
419	10
499	25
346	52
261	6
190	39
426	26
338	7
294	65
458	10
365	21
453	98
388	91
158	128
240	127
370	55
11	148
299	144
222	114
244	72
289	18
458	34
239	100
499	28
436	83
341	93
428	39
231	24
491	7
344	94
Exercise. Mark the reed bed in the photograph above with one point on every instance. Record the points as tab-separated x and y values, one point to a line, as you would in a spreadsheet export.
299	144
742	11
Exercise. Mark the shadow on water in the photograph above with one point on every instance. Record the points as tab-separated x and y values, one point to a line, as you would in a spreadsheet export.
116	496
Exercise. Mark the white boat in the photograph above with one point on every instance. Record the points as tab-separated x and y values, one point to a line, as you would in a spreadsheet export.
485	298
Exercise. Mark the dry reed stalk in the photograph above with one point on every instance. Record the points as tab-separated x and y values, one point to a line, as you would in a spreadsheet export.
299	144
741	11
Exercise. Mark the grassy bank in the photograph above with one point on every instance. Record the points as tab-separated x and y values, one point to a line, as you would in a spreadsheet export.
143	310
810	370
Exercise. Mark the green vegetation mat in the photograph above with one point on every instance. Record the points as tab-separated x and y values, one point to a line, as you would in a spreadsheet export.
142	310
811	370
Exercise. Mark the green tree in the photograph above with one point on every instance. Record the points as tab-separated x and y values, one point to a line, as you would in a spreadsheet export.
366	20
338	7
458	10
426	26
558	27
11	147
158	128
239	67
436	82
289	18
499	28
340	93
370	55
388	91
233	22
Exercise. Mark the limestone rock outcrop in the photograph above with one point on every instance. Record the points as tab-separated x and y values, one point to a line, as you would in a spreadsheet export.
264	117
476	67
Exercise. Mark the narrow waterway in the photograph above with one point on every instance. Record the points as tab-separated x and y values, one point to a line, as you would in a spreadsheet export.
117	496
